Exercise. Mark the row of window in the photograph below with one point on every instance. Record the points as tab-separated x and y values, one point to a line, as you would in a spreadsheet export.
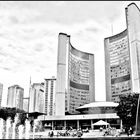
78	98
119	55
119	44
79	70
122	87
120	70
119	51
76	59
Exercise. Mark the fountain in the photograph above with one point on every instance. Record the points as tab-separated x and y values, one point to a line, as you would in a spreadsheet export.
16	119
8	126
21	131
1	128
27	129
10	130
36	122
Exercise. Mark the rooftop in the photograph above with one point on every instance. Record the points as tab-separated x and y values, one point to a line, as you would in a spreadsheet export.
99	104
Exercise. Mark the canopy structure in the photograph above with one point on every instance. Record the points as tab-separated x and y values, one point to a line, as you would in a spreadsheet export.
101	122
35	114
98	104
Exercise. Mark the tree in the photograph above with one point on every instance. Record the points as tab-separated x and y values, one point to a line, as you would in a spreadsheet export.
6	112
127	109
22	118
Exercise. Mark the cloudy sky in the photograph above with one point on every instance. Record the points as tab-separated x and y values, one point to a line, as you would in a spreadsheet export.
29	37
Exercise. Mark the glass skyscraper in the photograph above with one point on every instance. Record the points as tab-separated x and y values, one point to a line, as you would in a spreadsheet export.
15	97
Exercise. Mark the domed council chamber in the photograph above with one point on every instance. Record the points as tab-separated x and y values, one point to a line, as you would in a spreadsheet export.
98	108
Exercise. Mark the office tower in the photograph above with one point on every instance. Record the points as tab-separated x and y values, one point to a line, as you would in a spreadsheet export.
122	57
49	89
26	104
75	77
15	97
36	98
1	91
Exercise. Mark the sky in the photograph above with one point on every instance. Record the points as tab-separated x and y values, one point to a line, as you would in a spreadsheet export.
29	37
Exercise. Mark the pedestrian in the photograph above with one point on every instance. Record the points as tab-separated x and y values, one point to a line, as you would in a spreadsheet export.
52	134
130	131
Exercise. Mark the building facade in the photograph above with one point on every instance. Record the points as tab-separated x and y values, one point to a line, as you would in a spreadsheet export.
75	85
15	97
1	91
49	89
26	104
122	57
83	121
36	98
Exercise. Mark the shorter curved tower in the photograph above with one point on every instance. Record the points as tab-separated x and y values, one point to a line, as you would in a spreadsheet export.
75	84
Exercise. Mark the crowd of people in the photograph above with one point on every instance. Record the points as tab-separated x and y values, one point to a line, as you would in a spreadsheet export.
110	131
67	132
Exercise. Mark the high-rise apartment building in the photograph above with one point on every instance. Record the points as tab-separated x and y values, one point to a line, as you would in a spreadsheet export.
15	97
1	91
75	84
49	89
36	98
122	57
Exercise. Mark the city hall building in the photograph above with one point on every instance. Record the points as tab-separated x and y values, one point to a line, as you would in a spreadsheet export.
75	85
75	78
122	57
75	95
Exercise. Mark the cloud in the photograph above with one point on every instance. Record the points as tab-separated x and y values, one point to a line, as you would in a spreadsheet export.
29	35
13	19
64	13
92	29
6	69
31	49
38	47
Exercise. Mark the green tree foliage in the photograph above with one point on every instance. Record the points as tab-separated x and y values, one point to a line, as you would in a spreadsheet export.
6	112
127	109
22	118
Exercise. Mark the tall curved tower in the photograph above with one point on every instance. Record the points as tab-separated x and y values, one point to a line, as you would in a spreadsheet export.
122	57
75	84
122	60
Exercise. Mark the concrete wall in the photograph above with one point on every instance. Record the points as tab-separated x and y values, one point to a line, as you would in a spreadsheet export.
91	78
133	26
61	75
107	70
